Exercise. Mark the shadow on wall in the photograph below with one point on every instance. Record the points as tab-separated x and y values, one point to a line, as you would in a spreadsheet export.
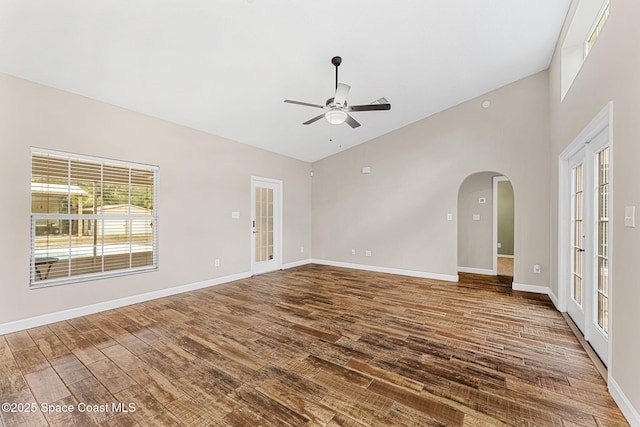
485	223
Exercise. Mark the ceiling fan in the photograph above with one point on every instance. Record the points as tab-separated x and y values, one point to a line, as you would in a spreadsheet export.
336	108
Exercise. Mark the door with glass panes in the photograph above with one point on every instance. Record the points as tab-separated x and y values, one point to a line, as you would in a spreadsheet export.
265	225
588	299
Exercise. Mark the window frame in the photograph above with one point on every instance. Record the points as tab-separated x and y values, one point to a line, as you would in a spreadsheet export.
34	283
596	28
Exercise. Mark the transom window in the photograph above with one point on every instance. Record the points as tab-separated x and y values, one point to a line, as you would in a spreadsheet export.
595	32
585	28
91	218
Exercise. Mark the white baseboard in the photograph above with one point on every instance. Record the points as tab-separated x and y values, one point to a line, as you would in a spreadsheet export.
59	316
412	273
554	299
505	256
296	264
473	270
630	413
536	289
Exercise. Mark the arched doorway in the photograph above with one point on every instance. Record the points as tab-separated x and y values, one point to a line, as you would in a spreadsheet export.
486	225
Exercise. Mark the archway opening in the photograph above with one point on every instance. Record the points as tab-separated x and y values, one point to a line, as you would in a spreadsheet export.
486	213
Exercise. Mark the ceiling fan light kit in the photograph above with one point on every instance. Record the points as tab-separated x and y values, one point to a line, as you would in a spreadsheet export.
335	117
337	108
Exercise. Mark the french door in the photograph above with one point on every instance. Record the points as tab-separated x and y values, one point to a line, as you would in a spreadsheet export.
589	285
266	225
576	305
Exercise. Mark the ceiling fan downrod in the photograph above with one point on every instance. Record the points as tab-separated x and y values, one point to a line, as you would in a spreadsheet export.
336	61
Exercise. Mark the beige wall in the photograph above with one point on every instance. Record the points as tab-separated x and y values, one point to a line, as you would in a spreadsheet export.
610	73
399	211
203	179
475	238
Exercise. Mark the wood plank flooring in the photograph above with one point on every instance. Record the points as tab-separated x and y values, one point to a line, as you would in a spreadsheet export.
310	346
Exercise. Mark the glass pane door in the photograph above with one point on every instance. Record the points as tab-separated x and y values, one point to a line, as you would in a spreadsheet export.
266	227
578	234
578	261
264	224
602	243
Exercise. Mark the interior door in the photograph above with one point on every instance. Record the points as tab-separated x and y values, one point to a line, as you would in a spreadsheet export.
266	225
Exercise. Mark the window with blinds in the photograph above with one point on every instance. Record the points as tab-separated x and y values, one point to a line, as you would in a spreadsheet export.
91	218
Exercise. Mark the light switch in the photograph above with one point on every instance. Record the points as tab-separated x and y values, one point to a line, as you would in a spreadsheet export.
476	217
235	215
482	200
630	216
366	169
450	217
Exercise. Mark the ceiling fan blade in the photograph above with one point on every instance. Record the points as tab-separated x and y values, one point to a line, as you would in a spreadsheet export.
370	107
342	91
352	122
315	119
303	103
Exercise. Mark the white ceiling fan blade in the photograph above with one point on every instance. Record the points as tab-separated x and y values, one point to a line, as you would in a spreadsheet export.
342	91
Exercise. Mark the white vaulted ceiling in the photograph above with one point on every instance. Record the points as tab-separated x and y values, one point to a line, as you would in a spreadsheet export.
225	66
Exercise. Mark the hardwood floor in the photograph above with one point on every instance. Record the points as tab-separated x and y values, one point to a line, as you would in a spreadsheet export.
313	345
505	266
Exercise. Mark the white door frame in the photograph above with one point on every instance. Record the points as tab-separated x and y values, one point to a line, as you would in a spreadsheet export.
276	262
600	124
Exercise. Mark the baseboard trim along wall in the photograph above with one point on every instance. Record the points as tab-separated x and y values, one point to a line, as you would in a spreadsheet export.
295	264
536	289
624	404
45	319
398	271
554	299
59	316
473	270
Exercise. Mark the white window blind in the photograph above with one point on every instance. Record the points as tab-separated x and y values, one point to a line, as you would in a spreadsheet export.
91	218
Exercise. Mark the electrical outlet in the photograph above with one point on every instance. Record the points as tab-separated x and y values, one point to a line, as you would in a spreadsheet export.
301	249
537	269
499	245
217	262
353	251
367	253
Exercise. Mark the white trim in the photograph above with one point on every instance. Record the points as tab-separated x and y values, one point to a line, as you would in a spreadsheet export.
505	256
398	271
93	158
153	217
601	121
536	289
554	299
497	179
630	413
473	270
296	264
32	322
591	139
